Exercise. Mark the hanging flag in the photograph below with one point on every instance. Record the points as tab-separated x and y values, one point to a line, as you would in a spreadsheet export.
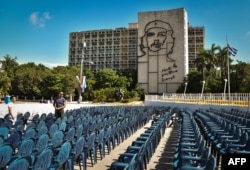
82	82
232	51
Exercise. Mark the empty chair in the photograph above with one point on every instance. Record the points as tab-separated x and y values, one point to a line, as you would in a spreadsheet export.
78	132
60	160
1	121
99	145
70	134
85	130
89	148
21	163
63	126
30	133
41	144
193	161
56	140
43	160
42	130
31	125
107	139
210	165
119	166
14	139
129	159
6	152
43	116
1	140
140	156
26	117
53	128
35	119
25	149
4	132
77	153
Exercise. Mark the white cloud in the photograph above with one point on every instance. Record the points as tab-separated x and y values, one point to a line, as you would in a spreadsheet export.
248	33
34	18
46	15
39	20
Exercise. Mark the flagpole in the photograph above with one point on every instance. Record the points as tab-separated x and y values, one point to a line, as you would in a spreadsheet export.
228	73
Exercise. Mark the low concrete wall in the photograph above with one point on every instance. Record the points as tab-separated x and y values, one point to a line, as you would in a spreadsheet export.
38	108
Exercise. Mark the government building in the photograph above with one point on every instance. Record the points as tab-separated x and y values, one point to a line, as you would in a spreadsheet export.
161	46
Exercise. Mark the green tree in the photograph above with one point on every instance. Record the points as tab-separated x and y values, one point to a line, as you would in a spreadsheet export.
29	79
8	69
5	83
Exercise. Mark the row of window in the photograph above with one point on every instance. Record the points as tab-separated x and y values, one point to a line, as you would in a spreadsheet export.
103	50
102	34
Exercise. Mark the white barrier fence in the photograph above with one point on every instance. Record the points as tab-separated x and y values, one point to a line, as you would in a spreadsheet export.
210	99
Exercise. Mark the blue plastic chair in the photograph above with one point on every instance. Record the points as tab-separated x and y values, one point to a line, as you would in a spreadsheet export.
78	132
130	159
21	163
77	153
85	130
30	133
107	139
63	126
43	116
210	165
25	149
60	160
53	128
1	140
26	117
41	144
70	134
4	132
89	148
56	140
99	143
140	158
6	152
35	118
119	166
14	139
31	125
1	121
42	130
193	161
43	160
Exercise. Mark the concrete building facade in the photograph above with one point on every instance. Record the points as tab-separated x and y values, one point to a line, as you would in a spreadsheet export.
110	48
163	50
196	41
161	65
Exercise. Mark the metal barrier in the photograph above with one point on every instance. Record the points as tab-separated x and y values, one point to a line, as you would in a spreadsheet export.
234	99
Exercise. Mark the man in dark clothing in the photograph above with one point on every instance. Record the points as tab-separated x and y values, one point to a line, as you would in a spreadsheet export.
59	105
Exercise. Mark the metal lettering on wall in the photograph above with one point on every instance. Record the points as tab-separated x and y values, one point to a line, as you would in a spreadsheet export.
158	41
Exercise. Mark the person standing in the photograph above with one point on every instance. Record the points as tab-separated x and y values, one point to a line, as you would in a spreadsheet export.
59	105
11	109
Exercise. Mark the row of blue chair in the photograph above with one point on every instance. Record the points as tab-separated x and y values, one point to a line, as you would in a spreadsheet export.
221	133
138	154
112	129
191	151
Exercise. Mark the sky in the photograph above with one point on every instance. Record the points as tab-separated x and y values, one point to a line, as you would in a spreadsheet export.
38	30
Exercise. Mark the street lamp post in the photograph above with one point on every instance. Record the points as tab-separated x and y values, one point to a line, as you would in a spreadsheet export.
225	86
80	78
185	89
203	84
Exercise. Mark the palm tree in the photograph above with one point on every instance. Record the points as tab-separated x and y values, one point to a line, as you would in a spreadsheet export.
212	58
222	61
201	62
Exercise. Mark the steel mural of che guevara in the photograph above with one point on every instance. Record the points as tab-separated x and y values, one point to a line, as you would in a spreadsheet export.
158	40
